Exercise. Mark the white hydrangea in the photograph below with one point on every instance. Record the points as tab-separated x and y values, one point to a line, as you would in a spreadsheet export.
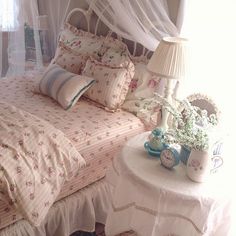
191	125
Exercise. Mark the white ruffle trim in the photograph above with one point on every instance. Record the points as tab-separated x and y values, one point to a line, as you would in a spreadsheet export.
79	211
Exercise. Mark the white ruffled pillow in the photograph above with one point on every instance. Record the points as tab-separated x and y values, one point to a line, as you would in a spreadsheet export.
142	86
63	86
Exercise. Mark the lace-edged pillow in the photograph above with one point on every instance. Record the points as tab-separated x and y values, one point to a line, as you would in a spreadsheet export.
81	41
111	84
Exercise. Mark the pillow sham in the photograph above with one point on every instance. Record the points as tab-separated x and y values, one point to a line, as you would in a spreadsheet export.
110	42
63	86
116	57
69	59
81	41
111	84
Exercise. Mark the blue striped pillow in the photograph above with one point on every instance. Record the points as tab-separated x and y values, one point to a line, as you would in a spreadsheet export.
63	86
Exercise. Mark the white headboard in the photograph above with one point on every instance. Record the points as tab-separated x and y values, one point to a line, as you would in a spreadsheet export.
87	20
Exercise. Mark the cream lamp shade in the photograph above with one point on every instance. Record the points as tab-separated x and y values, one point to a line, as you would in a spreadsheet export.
169	59
169	62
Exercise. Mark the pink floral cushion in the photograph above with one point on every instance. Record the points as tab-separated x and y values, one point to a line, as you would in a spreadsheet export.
81	41
111	84
69	59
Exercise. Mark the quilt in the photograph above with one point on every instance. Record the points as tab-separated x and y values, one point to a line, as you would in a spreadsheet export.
35	161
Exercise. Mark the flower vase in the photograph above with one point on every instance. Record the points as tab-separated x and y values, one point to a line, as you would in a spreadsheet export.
199	165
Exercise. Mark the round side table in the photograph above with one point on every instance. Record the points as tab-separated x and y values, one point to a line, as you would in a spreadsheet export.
155	201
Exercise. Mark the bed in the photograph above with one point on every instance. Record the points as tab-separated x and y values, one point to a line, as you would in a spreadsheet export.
96	128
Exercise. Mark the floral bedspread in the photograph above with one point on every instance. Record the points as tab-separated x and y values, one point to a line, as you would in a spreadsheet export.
35	160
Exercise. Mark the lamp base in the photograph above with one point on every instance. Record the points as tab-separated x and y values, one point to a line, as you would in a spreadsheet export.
168	98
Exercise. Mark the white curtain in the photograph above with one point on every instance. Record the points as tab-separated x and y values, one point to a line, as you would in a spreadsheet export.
210	27
55	10
143	21
8	15
19	37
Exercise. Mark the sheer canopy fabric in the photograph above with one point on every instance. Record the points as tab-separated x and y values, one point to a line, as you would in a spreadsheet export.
55	10
148	23
8	15
19	34
143	21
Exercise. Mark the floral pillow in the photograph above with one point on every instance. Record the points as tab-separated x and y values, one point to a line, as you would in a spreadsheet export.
69	59
111	84
81	41
116	57
64	87
142	86
115	44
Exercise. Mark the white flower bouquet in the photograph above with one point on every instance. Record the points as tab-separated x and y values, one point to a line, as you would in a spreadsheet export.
191	126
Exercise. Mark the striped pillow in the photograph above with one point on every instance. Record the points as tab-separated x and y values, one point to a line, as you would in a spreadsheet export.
63	86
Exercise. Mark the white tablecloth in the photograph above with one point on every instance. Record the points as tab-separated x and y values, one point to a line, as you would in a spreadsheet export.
155	201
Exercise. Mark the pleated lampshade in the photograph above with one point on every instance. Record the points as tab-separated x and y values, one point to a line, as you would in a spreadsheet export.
169	59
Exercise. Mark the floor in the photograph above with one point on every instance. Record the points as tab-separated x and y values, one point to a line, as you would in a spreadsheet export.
100	232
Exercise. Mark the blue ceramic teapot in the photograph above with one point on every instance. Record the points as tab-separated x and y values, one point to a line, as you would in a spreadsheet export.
156	143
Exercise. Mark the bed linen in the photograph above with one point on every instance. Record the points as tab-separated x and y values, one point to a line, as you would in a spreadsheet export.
78	211
96	133
35	160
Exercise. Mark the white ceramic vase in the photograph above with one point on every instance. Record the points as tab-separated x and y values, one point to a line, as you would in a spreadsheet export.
199	165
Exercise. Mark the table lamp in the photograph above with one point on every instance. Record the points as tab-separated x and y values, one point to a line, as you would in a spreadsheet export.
169	62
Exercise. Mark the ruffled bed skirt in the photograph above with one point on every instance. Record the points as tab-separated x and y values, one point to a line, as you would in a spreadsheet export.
77	212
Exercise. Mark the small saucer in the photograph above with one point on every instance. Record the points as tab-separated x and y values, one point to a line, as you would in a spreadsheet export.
150	151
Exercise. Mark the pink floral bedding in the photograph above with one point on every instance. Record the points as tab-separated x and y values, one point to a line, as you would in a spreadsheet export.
35	161
96	133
